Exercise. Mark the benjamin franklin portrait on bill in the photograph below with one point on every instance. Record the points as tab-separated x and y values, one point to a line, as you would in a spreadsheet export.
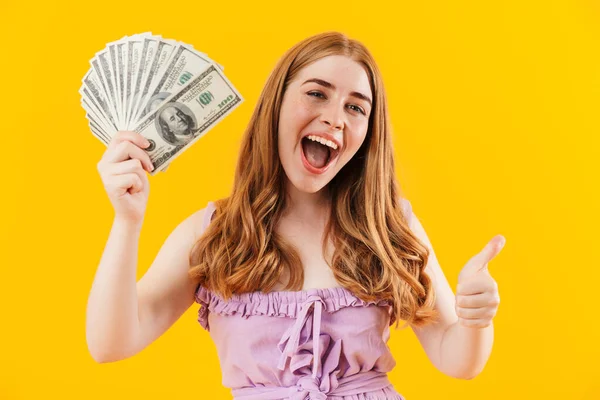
176	123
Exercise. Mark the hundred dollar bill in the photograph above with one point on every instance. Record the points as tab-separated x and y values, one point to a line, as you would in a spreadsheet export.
91	111
121	47
101	64
112	70
149	45
162	55
97	133
187	115
133	51
183	65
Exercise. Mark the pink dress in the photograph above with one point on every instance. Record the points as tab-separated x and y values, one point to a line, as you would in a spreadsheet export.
316	344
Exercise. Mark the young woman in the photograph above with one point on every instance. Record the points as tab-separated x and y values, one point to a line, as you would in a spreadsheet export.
301	271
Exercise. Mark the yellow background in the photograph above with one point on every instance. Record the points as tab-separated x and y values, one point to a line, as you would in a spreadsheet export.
495	110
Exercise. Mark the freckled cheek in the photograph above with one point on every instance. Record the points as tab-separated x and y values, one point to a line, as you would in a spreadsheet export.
293	118
305	108
297	114
355	138
305	101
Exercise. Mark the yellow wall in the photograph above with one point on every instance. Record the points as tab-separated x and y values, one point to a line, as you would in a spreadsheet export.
495	109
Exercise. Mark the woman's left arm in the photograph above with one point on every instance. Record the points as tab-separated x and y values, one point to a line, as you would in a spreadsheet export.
460	343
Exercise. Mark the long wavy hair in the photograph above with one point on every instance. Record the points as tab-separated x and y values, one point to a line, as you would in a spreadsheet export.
376	256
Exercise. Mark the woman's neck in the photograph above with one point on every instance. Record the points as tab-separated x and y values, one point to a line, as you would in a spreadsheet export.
304	206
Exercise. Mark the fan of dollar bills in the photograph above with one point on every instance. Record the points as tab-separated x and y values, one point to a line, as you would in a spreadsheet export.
163	89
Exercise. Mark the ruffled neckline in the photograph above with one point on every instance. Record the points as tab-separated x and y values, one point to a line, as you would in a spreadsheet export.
284	304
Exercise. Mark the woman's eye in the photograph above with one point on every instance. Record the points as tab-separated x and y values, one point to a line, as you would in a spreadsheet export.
357	108
317	93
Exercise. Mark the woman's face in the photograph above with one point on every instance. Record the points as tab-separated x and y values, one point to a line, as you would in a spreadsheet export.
331	96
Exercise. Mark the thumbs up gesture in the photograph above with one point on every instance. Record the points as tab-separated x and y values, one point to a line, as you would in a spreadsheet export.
477	296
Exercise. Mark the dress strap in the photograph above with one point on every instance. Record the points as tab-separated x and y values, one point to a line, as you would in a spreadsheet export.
209	210
407	210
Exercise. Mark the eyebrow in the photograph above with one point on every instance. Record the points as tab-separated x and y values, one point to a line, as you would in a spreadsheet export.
332	86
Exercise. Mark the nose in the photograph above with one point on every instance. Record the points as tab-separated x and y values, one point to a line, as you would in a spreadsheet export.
331	116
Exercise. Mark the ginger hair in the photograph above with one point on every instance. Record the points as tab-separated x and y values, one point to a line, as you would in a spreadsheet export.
376	256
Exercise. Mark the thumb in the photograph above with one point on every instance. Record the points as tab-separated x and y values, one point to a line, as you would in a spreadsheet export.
479	262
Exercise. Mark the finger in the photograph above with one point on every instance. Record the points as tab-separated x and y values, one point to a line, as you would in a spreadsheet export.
477	300
475	323
130	166
476	313
477	284
130	182
126	150
491	250
479	262
131	136
137	184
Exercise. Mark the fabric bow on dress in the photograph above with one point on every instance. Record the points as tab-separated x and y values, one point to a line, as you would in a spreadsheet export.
322	379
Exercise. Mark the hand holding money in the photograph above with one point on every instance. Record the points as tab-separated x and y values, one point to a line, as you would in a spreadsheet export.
165	90
121	169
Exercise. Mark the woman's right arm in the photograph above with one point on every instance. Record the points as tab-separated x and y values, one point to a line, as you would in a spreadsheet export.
124	316
112	324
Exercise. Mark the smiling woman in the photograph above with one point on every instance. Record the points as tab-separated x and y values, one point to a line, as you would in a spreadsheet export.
301	271
312	255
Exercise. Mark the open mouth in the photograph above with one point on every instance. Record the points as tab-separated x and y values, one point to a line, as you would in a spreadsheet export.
316	156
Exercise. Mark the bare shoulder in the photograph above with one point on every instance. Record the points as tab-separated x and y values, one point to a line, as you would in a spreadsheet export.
165	291
406	209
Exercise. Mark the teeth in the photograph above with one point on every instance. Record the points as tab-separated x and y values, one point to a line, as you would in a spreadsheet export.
323	141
